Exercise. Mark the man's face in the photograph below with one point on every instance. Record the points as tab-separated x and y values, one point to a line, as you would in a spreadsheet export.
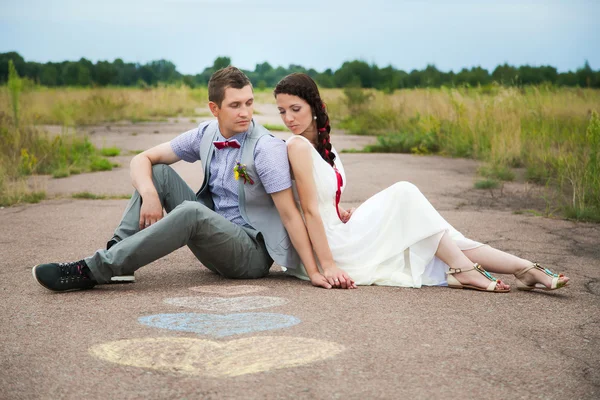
236	110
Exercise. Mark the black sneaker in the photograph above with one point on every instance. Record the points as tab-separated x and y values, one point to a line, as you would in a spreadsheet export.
64	276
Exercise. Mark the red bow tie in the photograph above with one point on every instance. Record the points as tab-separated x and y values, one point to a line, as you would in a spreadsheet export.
228	143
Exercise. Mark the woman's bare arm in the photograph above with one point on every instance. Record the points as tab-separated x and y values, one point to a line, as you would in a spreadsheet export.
299	154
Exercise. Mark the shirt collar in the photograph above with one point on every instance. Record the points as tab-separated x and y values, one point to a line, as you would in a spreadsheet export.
240	137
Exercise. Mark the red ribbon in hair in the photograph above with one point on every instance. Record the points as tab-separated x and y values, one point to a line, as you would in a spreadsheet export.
322	129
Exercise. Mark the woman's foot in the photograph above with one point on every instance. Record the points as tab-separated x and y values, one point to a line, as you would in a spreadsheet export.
475	278
537	277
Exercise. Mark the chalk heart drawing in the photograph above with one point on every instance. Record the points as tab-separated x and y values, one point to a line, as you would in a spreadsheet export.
217	325
217	359
228	290
231	304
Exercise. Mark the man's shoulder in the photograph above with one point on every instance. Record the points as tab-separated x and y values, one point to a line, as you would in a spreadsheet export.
268	142
203	126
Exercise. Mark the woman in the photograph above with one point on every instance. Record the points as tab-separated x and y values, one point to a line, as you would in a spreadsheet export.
395	238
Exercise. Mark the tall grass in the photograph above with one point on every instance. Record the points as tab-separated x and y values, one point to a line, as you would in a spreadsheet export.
84	106
554	133
25	149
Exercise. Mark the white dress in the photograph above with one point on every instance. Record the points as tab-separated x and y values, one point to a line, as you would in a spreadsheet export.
390	240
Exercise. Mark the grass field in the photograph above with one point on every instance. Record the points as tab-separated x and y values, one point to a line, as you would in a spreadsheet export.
553	133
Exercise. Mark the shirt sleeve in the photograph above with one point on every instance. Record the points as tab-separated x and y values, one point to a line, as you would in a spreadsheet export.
187	145
272	165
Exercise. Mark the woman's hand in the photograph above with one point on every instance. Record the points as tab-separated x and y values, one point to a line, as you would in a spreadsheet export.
338	278
346	214
317	279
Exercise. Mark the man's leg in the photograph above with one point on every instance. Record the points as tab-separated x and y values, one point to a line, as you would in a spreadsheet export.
220	244
240	254
172	191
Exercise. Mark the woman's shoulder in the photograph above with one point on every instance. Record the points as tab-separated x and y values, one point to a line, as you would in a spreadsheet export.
297	141
299	145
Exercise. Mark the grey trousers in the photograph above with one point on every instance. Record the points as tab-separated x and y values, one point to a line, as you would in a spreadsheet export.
222	246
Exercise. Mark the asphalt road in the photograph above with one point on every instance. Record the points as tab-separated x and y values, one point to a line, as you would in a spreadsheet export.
183	332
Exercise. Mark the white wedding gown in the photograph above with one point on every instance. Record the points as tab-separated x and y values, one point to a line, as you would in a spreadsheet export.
391	238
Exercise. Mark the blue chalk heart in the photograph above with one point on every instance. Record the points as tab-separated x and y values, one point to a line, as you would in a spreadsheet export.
217	325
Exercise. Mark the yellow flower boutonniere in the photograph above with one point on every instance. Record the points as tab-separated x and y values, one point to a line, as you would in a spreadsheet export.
239	171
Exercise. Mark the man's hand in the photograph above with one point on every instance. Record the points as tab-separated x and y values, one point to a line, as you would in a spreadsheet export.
151	211
317	279
141	177
338	278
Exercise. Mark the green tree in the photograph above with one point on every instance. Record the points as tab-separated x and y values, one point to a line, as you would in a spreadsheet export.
585	75
354	73
49	75
505	75
18	63
221	62
105	73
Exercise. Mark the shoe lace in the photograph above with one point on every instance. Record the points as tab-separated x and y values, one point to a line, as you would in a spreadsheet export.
73	270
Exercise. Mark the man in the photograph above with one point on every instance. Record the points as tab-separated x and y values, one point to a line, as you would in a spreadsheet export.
236	224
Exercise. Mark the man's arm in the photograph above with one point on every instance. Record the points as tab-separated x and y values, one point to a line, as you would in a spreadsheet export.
294	225
141	177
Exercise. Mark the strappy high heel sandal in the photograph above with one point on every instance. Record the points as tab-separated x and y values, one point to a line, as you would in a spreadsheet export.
556	283
455	284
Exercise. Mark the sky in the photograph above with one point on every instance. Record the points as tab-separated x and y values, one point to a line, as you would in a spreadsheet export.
320	34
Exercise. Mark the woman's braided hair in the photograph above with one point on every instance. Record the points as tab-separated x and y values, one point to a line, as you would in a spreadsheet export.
302	85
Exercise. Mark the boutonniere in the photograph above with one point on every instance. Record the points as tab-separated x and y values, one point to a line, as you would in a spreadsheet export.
239	171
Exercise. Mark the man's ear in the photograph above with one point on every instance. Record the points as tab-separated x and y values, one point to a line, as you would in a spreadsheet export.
214	108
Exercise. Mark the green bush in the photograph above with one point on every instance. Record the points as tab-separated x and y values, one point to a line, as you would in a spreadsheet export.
417	143
100	164
487	184
110	151
499	172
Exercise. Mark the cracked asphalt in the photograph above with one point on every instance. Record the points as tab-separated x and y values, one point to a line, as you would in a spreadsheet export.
374	342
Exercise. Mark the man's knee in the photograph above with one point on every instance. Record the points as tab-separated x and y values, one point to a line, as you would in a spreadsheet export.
191	208
160	170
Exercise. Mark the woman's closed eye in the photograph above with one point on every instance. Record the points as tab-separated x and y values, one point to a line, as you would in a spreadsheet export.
281	111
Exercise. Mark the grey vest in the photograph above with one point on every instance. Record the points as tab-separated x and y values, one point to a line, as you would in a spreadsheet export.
256	205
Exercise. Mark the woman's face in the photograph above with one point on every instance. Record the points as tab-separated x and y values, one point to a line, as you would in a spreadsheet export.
295	113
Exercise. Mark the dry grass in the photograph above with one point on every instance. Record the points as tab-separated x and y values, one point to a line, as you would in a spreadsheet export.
78	106
549	131
554	133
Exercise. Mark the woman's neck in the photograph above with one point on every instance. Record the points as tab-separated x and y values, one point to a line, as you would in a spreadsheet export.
311	134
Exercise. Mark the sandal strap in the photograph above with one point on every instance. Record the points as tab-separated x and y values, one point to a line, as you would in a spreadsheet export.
483	272
492	286
525	270
539	267
452	271
475	267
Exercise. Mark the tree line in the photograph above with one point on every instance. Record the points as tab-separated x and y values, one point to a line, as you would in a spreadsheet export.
351	74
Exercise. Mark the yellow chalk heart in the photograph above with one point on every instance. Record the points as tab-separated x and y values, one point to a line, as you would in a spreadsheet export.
217	359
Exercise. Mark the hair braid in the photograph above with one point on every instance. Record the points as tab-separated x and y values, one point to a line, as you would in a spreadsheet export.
302	85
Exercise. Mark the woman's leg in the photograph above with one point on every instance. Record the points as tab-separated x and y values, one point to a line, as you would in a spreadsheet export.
451	254
499	262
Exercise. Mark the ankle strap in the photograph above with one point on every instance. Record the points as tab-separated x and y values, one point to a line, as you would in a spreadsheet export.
525	270
459	270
